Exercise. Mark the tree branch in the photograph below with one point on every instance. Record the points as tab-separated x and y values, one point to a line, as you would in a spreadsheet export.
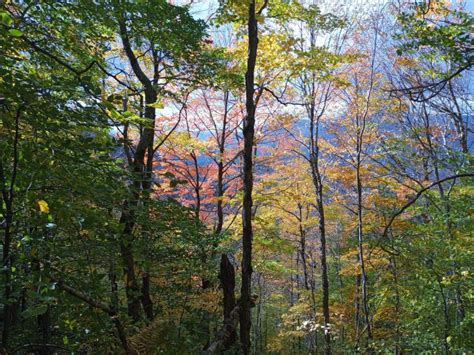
418	195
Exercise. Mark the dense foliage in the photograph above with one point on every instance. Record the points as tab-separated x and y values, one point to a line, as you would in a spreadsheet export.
278	177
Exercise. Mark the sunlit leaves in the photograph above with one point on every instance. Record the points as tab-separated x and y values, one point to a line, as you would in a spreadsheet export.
43	206
438	32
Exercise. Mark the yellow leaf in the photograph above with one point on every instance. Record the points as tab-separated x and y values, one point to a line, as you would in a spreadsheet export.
156	104
43	206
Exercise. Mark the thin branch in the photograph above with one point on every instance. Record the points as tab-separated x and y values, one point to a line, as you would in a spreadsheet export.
84	297
279	98
418	195
259	12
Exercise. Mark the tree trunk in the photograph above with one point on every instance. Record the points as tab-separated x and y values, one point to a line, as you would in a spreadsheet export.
324	273
227	276
357	309
360	241
146	298
44	325
303	247
248	132
317	182
131	284
220	170
142	180
6	257
227	335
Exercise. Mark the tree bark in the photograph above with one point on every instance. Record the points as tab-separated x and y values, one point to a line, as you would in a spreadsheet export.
220	169
248	132
227	276
142	183
223	334
146	299
303	247
227	335
360	237
317	182
6	264
131	284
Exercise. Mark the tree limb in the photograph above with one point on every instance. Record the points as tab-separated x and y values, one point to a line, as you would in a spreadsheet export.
418	195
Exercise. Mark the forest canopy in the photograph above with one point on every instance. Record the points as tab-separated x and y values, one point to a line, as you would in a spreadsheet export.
236	177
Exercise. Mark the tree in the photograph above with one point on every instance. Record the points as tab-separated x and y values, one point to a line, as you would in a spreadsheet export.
148	150
248	133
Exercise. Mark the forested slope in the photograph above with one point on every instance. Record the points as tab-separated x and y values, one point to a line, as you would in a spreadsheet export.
232	176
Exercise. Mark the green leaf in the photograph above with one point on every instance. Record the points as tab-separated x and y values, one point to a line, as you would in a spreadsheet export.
15	32
5	18
156	104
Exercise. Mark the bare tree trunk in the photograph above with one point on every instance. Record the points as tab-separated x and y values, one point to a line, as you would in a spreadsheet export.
220	169
313	297
324	272
248	132
317	182
227	276
361	120
227	335
357	309
360	239
146	298
131	284
7	307
220	194
303	247
337	255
